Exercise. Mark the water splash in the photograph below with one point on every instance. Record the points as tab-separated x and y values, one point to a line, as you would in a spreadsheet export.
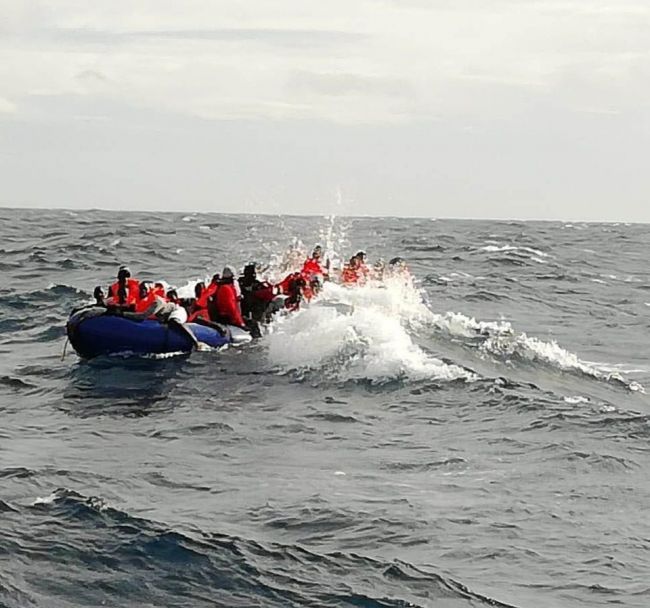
358	334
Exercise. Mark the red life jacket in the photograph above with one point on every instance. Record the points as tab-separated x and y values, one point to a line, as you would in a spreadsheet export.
227	304
160	291
311	268
287	285
265	293
143	303
199	313
132	288
349	275
202	300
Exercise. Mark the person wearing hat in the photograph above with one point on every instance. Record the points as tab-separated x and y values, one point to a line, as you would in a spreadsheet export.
224	304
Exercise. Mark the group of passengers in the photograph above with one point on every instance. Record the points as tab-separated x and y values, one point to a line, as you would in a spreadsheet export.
242	302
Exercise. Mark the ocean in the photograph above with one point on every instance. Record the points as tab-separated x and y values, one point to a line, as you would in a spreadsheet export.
478	437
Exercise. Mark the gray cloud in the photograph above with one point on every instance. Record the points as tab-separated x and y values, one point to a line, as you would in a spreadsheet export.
527	108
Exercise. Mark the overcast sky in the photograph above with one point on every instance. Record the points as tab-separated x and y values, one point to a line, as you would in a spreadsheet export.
443	108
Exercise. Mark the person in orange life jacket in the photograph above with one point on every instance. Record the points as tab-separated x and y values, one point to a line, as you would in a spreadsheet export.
147	295
199	309
363	266
351	271
224	304
256	295
210	289
313	266
159	288
292	286
124	292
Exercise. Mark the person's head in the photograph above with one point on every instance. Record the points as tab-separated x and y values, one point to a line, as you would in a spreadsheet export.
227	274
172	295
198	289
317	252
98	294
354	262
361	256
250	271
397	263
144	288
216	277
123	273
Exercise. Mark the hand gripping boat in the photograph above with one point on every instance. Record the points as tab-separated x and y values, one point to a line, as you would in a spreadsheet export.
94	332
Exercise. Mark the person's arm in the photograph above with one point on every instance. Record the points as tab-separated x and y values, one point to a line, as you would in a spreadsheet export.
153	309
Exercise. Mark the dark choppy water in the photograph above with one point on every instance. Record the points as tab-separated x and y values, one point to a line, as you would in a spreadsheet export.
490	447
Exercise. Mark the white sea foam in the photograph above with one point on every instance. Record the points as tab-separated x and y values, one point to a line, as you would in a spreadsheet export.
359	334
576	399
47	500
494	248
533	350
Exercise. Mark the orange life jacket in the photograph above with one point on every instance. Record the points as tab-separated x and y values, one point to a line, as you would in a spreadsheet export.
143	303
349	275
311	268
202	300
227	304
199	313
132	288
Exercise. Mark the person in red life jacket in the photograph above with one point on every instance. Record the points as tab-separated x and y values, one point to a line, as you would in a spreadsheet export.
124	292
147	295
159	288
313	266
224	306
199	309
292	286
363	270
351	271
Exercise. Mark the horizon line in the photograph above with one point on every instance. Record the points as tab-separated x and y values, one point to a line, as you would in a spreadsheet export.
324	215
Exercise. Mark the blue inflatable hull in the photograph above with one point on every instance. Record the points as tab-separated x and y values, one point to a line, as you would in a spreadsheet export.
93	336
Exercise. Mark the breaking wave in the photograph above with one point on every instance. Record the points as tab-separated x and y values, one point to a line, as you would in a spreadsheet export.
372	333
359	334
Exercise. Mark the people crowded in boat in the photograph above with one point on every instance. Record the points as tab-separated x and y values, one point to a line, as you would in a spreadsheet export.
242	302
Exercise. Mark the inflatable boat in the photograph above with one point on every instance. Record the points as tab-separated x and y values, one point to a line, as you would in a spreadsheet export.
95	331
